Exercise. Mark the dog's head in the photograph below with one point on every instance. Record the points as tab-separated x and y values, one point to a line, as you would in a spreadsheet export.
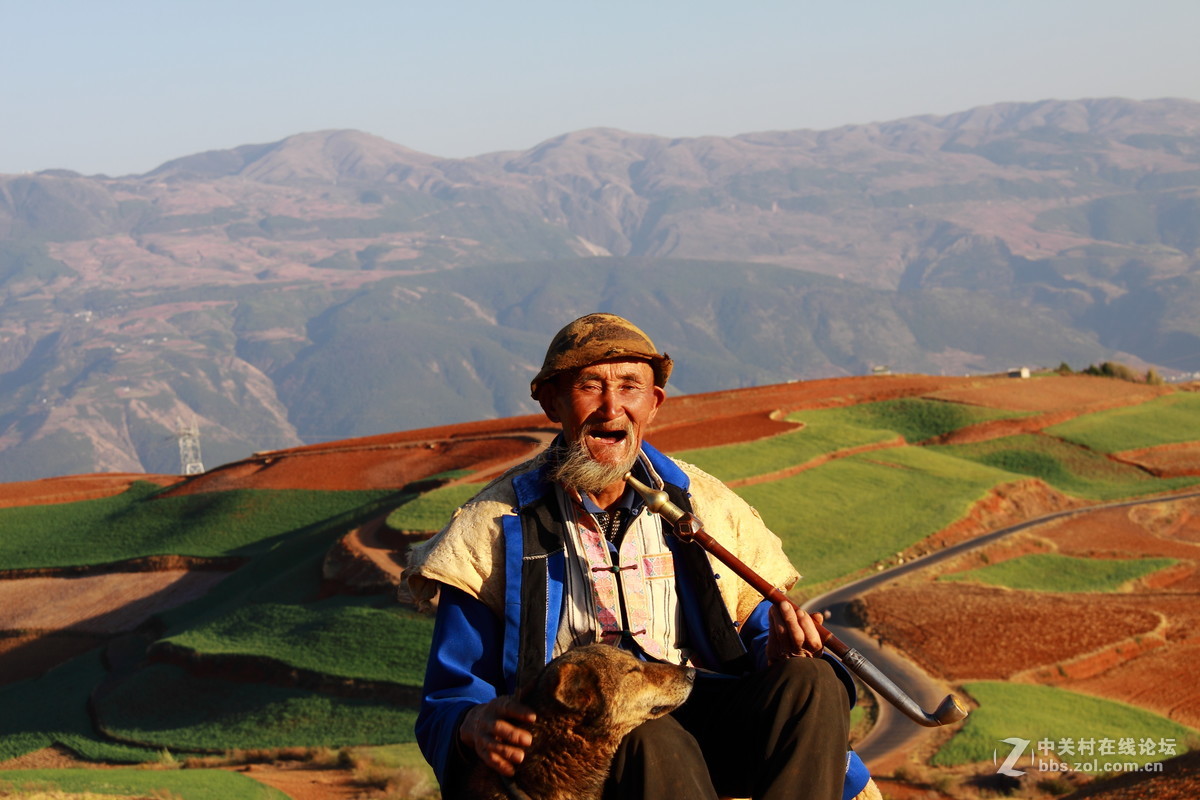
604	689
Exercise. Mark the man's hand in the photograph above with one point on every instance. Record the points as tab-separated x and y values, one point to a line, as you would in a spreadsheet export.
493	730
792	632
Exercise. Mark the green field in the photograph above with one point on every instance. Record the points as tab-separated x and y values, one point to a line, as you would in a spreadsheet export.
918	419
824	432
851	513
1051	572
1172	419
219	715
432	510
1067	467
1039	713
140	523
398	756
828	430
283	537
52	710
325	637
188	784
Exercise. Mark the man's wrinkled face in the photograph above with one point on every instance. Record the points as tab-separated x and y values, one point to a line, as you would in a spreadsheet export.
606	407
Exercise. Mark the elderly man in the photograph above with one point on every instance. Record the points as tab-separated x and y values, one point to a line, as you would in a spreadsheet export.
560	552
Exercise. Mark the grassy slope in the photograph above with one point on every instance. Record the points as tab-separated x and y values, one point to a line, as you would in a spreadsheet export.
430	511
324	636
1067	467
52	709
271	608
1167	420
829	430
140	523
1040	713
220	714
918	419
190	784
285	535
848	514
824	432
1051	572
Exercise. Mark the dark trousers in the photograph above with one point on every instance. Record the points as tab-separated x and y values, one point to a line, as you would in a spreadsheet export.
780	733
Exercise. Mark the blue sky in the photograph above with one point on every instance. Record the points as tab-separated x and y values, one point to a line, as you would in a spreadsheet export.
120	86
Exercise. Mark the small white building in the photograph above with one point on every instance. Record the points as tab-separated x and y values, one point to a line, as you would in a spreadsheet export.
1018	372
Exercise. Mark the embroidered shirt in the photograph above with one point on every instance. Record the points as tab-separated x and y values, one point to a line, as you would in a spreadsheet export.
620	586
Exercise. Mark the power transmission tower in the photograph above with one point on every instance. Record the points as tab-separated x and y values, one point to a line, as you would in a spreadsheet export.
189	448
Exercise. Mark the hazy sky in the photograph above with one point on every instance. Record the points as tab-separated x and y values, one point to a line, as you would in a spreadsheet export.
120	86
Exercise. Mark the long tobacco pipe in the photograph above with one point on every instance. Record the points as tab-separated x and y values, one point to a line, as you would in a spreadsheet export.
689	529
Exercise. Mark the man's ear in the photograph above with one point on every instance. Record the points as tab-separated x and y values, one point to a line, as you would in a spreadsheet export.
547	393
660	397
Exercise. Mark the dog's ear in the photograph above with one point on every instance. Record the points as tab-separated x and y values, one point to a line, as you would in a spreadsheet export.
577	687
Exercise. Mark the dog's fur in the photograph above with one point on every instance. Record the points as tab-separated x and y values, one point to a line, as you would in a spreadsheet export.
586	701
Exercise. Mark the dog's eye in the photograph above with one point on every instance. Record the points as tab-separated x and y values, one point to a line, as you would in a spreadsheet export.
634	668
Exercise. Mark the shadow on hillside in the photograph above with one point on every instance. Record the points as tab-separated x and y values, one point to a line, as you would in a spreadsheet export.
31	652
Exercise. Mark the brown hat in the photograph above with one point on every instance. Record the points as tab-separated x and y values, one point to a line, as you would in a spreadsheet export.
598	337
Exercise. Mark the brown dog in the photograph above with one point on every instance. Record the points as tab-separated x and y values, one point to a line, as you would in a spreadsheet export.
586	701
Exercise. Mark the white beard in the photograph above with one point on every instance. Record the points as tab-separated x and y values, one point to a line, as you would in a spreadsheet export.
575	468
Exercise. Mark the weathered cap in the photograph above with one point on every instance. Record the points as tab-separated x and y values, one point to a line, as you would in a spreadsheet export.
599	337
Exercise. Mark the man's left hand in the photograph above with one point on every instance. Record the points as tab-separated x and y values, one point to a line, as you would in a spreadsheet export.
792	633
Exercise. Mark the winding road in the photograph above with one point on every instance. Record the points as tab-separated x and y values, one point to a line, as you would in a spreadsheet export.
895	734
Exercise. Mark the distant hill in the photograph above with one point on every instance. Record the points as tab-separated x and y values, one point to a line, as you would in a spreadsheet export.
334	284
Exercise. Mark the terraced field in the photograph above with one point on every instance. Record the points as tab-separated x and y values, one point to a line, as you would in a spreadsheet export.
259	605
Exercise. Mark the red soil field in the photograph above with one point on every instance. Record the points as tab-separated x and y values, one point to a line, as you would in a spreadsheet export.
69	603
1179	780
371	465
1086	393
1167	461
73	488
1140	646
58	618
965	632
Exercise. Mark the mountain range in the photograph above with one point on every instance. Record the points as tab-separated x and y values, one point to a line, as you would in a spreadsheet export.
334	284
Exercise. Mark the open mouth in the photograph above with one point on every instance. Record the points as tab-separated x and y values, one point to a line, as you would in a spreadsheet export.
609	437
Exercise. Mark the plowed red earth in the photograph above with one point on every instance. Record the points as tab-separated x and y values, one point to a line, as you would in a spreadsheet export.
1168	461
928	632
57	618
70	603
302	783
73	488
1179	780
1064	393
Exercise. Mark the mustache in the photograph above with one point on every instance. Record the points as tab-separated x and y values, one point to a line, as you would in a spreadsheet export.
573	465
